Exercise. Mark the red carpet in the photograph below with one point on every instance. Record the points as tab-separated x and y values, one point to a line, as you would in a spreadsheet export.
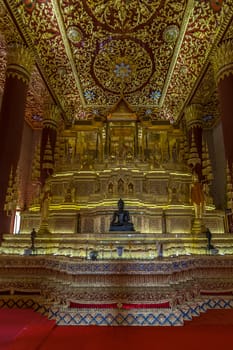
27	330
23	329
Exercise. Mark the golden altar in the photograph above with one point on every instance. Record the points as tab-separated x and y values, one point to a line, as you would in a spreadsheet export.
78	272
141	161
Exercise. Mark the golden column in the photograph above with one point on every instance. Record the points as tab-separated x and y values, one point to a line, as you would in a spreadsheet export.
194	125
20	62
48	140
223	68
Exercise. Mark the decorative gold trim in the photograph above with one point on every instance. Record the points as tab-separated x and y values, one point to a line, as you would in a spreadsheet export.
19	60
222	60
179	42
52	115
13	7
197	226
49	124
226	74
225	21
18	75
61	26
193	115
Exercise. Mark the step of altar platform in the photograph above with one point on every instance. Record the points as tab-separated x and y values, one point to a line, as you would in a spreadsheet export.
137	315
116	246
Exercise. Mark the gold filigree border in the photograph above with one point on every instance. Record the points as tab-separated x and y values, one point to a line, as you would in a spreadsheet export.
51	124
219	36
12	5
61	25
179	42
20	75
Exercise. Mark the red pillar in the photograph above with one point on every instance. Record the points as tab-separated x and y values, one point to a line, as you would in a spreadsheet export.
225	89
19	65
223	68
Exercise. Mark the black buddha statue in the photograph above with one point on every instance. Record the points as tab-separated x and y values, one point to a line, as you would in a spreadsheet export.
121	219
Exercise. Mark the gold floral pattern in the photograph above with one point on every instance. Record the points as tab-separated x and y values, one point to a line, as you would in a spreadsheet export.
123	65
89	53
124	15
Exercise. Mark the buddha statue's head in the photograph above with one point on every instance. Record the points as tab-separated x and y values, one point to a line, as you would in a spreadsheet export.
121	204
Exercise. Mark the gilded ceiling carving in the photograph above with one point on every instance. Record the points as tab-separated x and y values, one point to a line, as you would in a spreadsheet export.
90	53
7	26
123	65
207	97
37	97
108	45
2	63
229	32
38	92
202	30
123	16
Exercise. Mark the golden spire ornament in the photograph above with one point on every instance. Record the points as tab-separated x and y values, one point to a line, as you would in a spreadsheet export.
193	154
229	187
48	157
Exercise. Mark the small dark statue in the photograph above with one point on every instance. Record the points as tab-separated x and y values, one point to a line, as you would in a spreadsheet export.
93	255
210	247
121	219
33	236
209	237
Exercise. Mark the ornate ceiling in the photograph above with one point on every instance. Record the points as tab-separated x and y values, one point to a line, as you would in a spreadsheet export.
91	53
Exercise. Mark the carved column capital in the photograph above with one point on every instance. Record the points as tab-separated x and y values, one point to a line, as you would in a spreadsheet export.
222	60
20	62
193	115
52	115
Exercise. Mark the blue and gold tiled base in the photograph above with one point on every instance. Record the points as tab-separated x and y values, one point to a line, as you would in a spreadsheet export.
116	317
